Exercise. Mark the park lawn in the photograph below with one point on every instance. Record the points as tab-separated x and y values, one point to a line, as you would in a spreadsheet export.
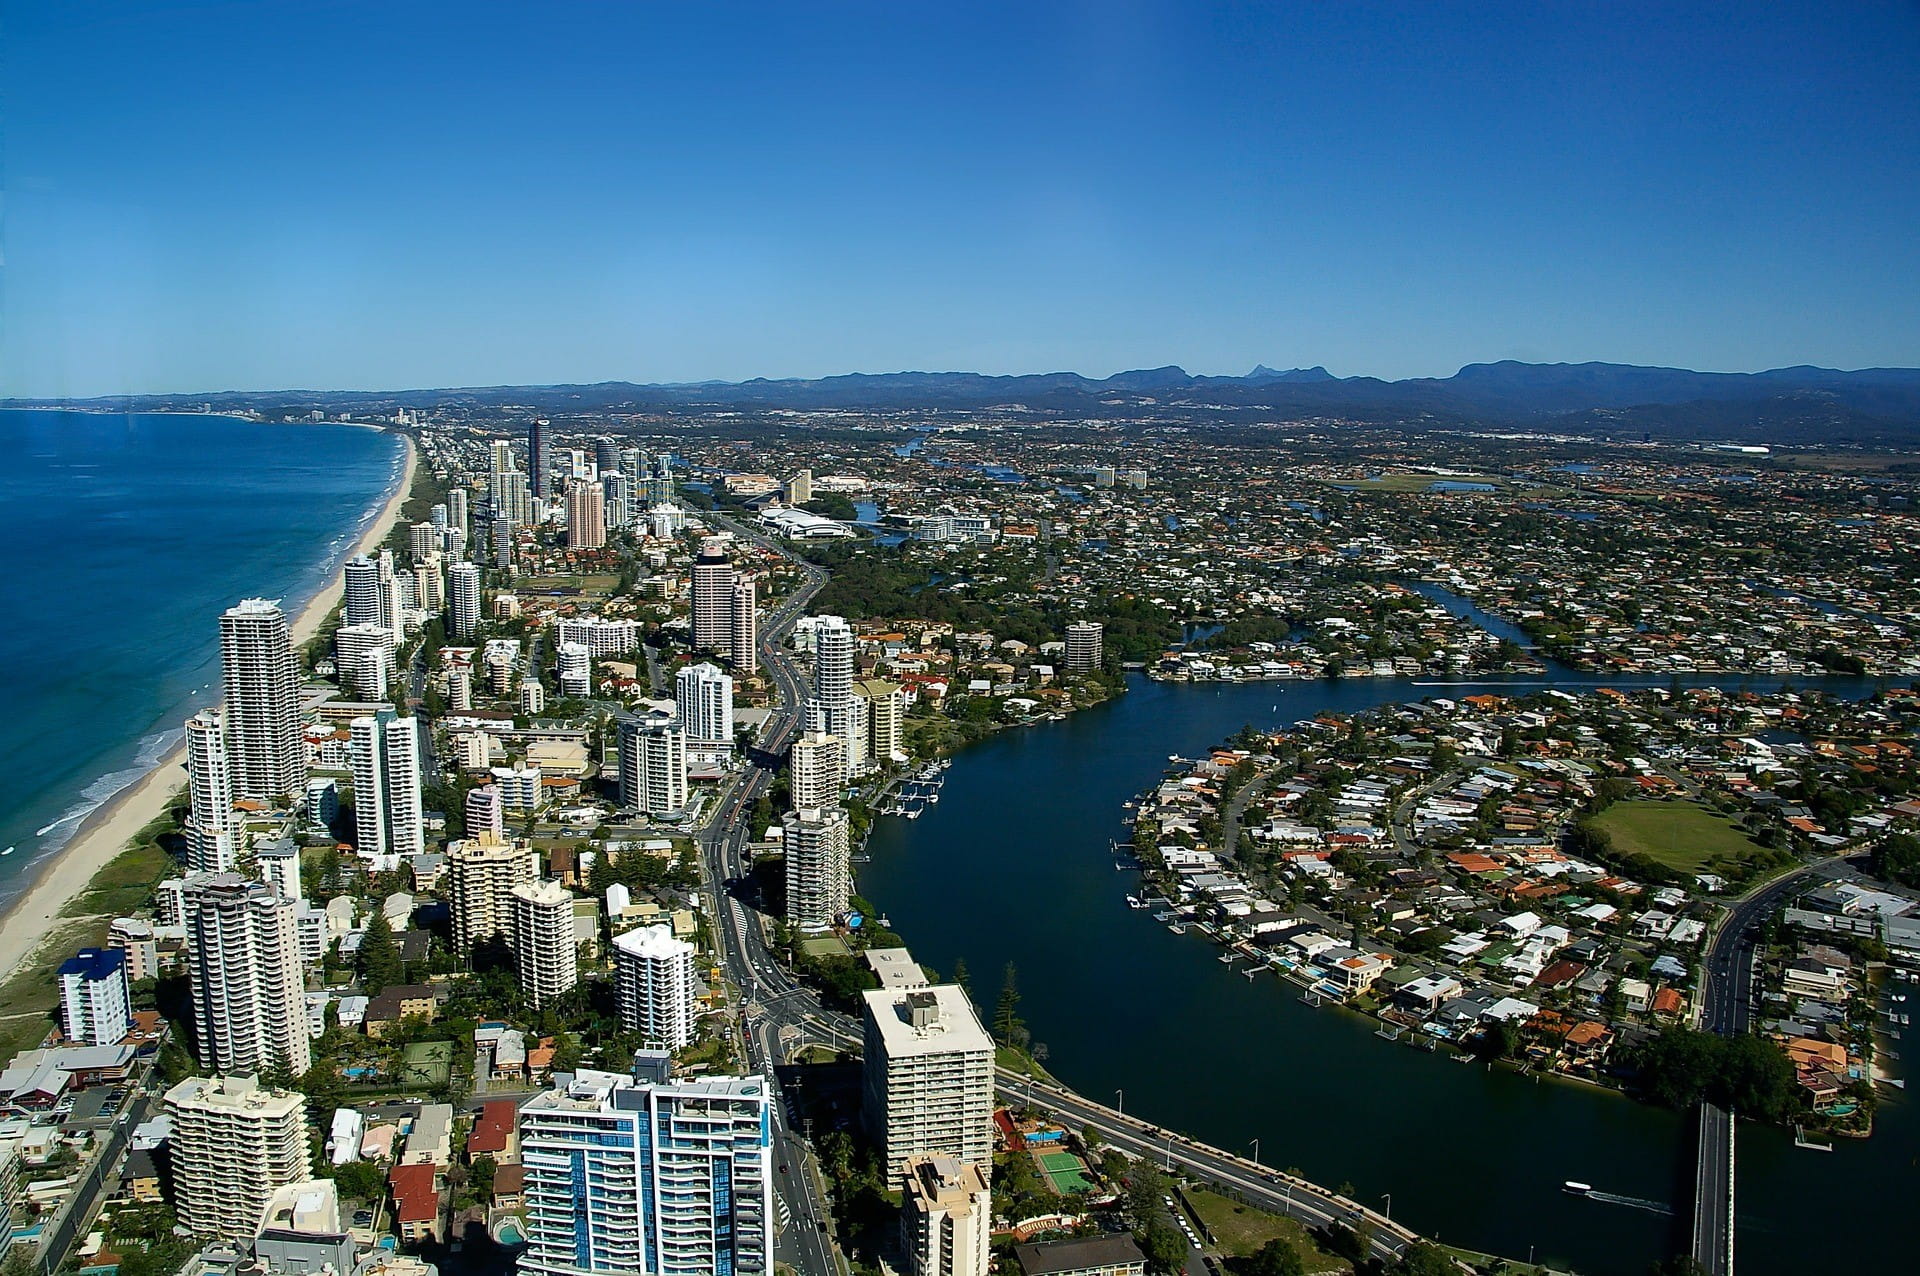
1242	1229
1684	836
1403	483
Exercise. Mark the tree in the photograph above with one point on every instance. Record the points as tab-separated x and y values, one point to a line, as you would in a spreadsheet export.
1164	1246
1424	1258
1275	1258
960	977
378	960
1007	1027
360	1180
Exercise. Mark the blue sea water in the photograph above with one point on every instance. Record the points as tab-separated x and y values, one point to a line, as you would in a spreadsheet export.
131	533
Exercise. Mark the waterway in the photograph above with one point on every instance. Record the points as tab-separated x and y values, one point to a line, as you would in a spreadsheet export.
1013	866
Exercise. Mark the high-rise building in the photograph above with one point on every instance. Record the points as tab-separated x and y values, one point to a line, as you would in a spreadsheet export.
1085	645
482	871
606	455
232	1146
278	864
653	986
819	866
424	538
545	954
616	495
460	689
800	487
883	705
653	767
712	597
537	471
262	682
744	649
384	752
243	962
574	669
600	636
373	595
505	532
831	707
945	1217
703	696
463	601
817	769
927	1076
484	812
457	509
364	658
586	515
96	1008
648	1177
211	830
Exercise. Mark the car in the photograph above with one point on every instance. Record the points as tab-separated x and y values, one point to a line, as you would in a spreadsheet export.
783	1169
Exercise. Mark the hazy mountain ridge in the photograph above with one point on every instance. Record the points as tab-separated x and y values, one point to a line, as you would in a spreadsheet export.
1794	403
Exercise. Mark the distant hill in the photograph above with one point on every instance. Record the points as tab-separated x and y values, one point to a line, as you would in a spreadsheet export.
1798	404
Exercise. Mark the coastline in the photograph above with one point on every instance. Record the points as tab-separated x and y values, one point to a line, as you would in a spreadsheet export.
35	913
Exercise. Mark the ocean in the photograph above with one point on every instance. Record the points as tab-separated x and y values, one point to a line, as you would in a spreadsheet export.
131	534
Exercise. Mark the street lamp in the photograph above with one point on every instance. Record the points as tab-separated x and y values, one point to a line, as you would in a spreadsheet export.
1256	1151
1120	1102
1169	1152
1389	1199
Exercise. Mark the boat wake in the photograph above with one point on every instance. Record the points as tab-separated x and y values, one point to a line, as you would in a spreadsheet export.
1631	1202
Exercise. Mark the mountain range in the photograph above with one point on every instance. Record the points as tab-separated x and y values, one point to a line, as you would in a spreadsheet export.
1797	404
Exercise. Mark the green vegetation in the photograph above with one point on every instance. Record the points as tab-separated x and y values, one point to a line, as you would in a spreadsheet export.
126	884
29	997
1751	1075
426	1064
1244	1233
1898	859
1673	840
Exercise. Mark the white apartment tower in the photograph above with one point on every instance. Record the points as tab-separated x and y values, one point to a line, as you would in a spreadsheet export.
713	581
211	828
485	813
927	1076
653	984
883	707
703	696
1085	645
653	767
96	1007
945	1217
648	1177
482	872
262	683
243	960
463	601
232	1146
816	769
363	655
544	950
831	706
384	752
819	866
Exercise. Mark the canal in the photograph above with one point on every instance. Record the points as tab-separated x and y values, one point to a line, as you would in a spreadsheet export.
1013	865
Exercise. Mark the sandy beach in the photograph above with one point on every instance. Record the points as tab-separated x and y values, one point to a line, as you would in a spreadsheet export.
106	832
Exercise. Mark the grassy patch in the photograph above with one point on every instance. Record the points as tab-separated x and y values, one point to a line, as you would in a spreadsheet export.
1683	836
597	583
1404	483
1242	1229
426	1064
825	946
28	999
126	884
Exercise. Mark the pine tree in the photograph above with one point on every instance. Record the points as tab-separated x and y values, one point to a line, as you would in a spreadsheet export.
379	957
960	977
1006	1016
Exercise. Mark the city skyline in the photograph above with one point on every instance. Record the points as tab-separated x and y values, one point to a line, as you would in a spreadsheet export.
671	198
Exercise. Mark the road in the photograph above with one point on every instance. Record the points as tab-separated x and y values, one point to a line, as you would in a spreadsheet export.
1712	1239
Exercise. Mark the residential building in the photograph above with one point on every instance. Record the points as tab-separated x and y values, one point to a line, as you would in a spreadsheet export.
484	812
463	601
703	697
817	769
647	1176
744	649
927	1076
1112	1254
363	658
819	866
883	707
654	986
233	1144
713	581
544	950
246	976
1085	646
482	872
384	751
946	1213
210	827
262	683
586	515
96	1008
300	1233
653	767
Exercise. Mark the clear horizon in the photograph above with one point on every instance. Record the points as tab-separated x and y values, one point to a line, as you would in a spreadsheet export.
366	197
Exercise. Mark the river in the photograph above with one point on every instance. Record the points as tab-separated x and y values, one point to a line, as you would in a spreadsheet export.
1013	866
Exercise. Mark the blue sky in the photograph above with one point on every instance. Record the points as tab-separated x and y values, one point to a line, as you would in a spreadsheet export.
212	195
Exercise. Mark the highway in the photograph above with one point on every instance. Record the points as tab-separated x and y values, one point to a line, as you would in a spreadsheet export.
1712	1241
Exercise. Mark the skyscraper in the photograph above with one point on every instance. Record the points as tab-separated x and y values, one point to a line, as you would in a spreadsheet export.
712	597
703	697
816	769
537	474
653	986
831	706
744	649
1085	645
616	494
457	509
211	829
945	1217
232	1145
648	1177
883	706
545	954
262	684
384	752
482	871
485	814
586	515
463	601
363	657
606	455
819	866
653	767
927	1076
249	1007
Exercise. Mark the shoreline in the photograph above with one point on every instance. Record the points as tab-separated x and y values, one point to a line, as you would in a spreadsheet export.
36	912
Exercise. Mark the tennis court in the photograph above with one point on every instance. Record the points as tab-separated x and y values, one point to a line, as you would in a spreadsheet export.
1064	1170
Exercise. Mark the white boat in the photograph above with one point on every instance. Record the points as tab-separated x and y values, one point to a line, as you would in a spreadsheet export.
1578	1189
10	850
